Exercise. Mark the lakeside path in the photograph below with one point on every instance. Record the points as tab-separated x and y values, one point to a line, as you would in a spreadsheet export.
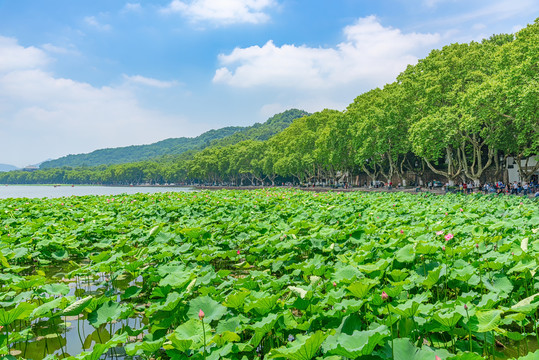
410	190
323	189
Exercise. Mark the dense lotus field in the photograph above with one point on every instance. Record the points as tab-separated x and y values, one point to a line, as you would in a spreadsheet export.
271	274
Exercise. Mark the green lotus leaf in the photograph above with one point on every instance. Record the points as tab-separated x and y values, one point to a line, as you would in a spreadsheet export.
485	321
225	337
526	305
176	279
77	307
262	303
361	288
211	308
189	335
357	344
404	349
144	347
405	254
262	327
131	292
105	313
99	349
20	312
56	289
45	310
236	300
303	348
448	319
433	277
408	309
299	291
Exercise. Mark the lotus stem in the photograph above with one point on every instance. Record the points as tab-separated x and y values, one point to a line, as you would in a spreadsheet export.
201	317
391	329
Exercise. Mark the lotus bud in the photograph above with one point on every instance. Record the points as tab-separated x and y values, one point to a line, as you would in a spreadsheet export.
477	246
385	296
402	231
465	307
334	284
436	357
443	248
201	314
238	252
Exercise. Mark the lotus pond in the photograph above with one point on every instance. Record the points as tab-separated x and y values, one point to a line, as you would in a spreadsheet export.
270	274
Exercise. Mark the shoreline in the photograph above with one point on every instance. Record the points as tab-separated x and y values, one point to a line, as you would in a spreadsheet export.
321	189
410	190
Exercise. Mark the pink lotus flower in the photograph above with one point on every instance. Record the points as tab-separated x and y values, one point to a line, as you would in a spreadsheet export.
201	314
448	237
441	232
238	252
443	248
402	231
436	357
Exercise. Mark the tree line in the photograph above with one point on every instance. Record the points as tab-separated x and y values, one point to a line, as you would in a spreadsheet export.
459	112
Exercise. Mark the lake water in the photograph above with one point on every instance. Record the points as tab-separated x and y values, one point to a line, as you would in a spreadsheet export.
49	191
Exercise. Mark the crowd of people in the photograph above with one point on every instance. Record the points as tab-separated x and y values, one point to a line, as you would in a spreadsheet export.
499	187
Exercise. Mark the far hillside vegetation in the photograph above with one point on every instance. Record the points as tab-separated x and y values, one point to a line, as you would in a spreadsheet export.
176	146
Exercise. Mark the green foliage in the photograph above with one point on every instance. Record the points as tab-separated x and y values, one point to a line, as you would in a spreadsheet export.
307	282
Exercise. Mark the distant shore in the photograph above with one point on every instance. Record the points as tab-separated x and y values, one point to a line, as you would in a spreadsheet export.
323	188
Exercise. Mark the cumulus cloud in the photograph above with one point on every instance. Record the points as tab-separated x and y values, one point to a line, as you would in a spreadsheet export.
132	7
223	11
371	53
146	81
17	57
93	22
61	116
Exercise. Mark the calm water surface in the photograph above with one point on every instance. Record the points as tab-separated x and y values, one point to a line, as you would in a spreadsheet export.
49	191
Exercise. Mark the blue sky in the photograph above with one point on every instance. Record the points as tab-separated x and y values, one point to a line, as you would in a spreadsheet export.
76	76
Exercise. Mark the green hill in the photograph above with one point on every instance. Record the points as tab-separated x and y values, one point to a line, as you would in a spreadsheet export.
176	146
6	167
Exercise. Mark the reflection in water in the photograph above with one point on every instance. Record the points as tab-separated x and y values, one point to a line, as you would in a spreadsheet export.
517	349
71	335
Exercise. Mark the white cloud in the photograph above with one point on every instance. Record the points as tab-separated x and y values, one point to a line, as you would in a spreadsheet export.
223	11
17	57
44	116
93	22
372	54
141	80
132	7
50	48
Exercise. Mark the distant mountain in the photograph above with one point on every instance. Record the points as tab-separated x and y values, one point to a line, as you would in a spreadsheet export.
176	146
120	155
264	131
6	167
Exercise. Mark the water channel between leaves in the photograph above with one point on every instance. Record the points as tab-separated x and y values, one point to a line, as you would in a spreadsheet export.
66	336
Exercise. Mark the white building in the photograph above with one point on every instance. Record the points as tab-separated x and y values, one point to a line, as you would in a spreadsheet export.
512	168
